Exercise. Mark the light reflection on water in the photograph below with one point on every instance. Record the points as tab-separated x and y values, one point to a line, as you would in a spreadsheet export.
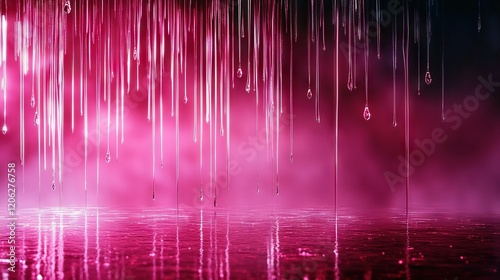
75	243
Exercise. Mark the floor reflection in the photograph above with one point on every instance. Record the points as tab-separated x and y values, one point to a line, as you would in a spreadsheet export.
217	244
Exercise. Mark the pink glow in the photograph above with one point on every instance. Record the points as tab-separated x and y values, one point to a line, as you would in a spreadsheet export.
460	174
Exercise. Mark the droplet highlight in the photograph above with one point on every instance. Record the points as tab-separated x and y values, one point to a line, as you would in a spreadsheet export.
366	113
428	78
239	73
36	120
108	157
4	129
309	93
32	101
67	7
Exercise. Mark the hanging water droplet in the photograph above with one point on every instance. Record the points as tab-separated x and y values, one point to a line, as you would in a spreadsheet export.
394	123
36	121
291	158
108	157
201	195
239	73
53	185
185	99
112	75
221	131
309	93
428	78
4	129
350	85
32	101
366	113
215	202
67	7
135	54
443	118
247	87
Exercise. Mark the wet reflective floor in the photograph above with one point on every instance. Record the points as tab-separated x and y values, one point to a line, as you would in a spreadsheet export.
104	243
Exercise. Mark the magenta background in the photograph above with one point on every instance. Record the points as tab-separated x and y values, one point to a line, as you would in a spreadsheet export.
462	174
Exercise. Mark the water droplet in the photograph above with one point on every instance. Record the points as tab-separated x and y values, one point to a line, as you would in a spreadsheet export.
239	73
215	202
185	99
366	113
4	129
32	101
108	157
291	158
394	123
53	185
247	87
36	121
67	7
443	118
201	195
135	54
112	75
221	132
309	93
428	78
350	85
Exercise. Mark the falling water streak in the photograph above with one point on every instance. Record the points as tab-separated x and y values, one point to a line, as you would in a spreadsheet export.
366	112
296	20
177	163
122	102
394	66
73	87
478	16
316	103
98	123
378	27
195	92
336	173
313	39
108	101
309	92
291	89
428	78
417	31
349	47
201	106
249	11
406	21
240	7
228	113
216	90
355	46
4	78
442	67
322	23
152	71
